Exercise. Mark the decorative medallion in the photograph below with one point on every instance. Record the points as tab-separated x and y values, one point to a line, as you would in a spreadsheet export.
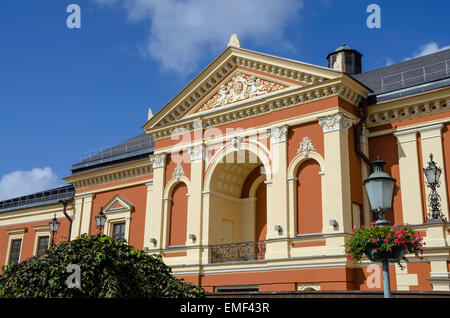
242	86
305	147
178	171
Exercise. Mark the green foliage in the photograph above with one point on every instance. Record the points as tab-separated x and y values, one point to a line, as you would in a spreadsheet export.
109	268
384	239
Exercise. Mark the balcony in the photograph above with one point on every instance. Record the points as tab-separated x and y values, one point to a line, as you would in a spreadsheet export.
238	252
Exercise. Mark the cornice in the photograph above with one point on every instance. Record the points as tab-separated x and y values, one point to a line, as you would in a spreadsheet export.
409	108
260	106
110	175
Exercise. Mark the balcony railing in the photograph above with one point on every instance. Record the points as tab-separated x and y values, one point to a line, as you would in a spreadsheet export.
238	252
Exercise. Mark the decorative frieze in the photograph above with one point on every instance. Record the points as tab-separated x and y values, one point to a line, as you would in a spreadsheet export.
403	112
294	98
335	122
113	176
158	160
305	147
279	134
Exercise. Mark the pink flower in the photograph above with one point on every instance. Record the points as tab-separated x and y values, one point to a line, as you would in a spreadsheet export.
375	250
374	240
385	240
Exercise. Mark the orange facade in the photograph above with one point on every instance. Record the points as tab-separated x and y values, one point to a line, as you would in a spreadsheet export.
270	177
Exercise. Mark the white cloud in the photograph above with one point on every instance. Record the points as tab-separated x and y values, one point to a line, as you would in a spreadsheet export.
428	48
19	183
425	49
181	32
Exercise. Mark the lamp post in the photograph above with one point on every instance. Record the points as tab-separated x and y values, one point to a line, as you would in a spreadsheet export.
100	219
380	189
54	225
433	173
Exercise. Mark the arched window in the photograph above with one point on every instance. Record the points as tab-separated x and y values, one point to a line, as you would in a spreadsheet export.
309	198
178	215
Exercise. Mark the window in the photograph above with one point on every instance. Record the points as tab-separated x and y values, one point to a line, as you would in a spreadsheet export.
118	231
42	245
15	251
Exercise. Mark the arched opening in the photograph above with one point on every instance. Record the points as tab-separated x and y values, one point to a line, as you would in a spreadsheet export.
309	198
178	215
261	212
237	207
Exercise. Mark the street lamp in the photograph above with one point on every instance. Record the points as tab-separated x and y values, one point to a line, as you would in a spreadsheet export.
100	219
433	173
380	189
54	225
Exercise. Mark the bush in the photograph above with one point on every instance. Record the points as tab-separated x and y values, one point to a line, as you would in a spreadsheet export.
108	268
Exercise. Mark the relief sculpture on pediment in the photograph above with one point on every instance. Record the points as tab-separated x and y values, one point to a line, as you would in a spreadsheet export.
241	86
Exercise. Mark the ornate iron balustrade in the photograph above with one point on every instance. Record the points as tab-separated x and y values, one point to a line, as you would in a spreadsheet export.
238	252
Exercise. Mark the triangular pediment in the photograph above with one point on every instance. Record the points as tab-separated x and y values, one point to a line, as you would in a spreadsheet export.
118	203
239	86
233	77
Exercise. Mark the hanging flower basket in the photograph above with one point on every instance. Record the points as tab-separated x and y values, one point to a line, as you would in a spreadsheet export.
375	254
384	242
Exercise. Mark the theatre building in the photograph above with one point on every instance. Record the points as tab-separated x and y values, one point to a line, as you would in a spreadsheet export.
251	177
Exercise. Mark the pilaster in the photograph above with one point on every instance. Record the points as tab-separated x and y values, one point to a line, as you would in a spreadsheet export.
195	201
409	176
277	195
431	143
83	204
337	182
155	199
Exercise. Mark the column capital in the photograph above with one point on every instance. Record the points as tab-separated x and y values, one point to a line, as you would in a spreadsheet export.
197	152
279	134
158	160
335	122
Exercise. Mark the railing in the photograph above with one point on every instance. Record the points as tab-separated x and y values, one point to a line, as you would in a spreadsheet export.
48	195
238	252
415	76
142	142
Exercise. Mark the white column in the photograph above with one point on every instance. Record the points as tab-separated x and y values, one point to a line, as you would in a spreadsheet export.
277	195
365	174
77	214
409	176
155	207
338	205
195	211
87	213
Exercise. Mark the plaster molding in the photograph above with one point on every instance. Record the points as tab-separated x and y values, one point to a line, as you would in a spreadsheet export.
336	122
279	134
158	160
305	146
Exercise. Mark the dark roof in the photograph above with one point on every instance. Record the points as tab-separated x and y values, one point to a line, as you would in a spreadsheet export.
135	148
396	80
46	197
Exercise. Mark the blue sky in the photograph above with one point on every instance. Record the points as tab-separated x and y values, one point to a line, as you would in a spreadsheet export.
68	91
